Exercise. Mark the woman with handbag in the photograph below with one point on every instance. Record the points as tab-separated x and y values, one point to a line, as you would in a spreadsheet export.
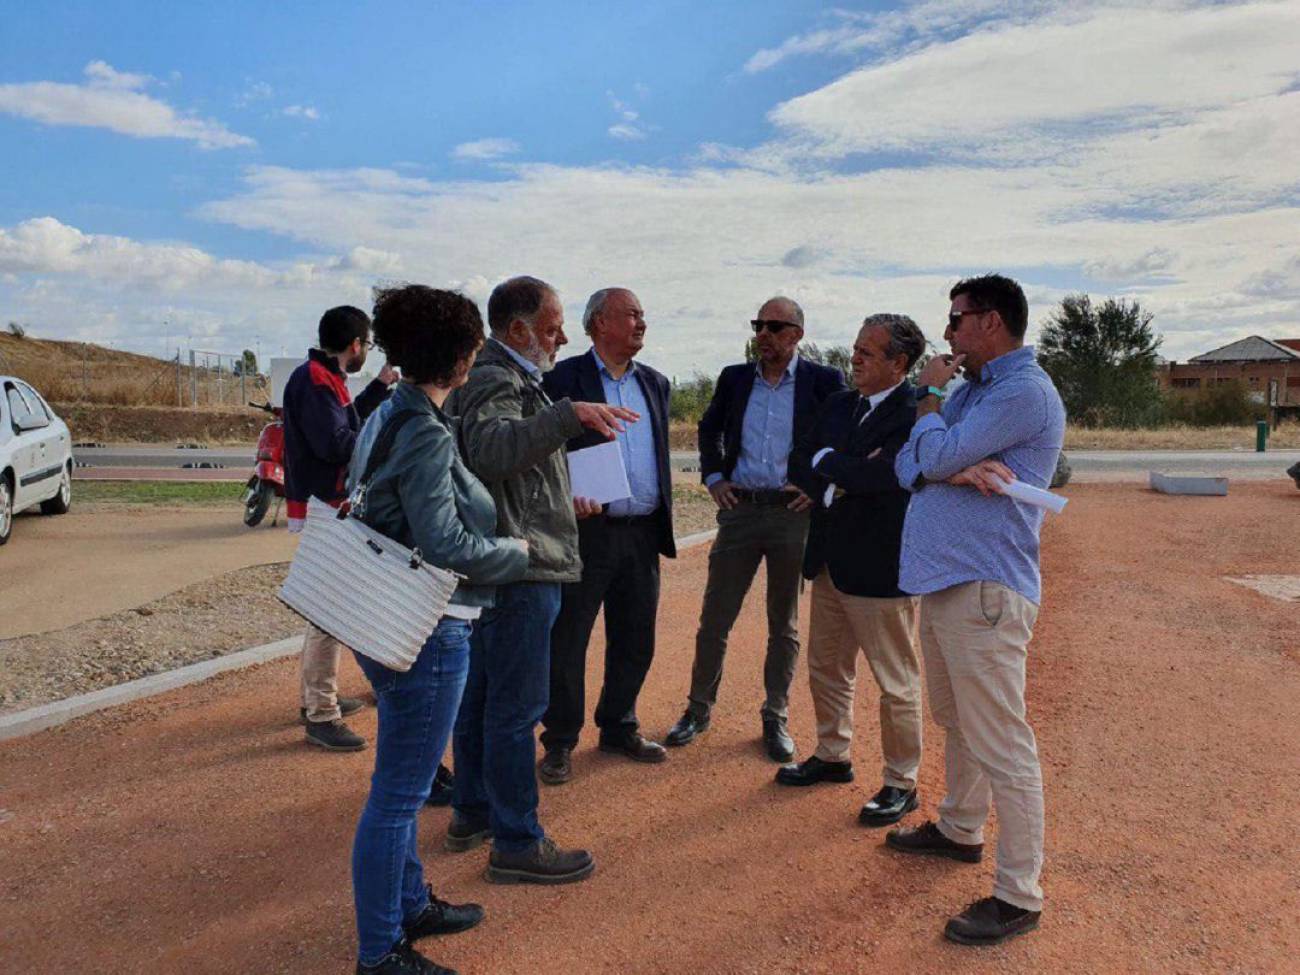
422	495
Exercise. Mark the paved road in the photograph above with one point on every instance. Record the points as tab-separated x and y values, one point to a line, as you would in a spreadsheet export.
1089	465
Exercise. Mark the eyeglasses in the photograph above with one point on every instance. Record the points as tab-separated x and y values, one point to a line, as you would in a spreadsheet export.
774	327
955	317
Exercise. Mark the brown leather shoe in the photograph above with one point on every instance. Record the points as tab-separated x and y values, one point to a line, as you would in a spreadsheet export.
990	921
635	747
926	838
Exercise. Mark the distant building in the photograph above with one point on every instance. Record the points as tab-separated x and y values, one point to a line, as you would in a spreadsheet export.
1255	362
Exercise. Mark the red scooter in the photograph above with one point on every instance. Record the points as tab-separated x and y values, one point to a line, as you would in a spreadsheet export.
267	481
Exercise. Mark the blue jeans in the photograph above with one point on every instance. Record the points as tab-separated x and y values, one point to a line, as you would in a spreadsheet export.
416	712
505	697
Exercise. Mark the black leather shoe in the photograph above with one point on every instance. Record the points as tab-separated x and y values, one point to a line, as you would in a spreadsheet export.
465	834
686	729
888	806
403	960
442	918
555	768
334	736
813	770
347	706
926	838
989	922
543	863
444	784
635	747
777	741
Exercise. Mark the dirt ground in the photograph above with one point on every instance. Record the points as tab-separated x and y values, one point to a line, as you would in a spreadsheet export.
195	832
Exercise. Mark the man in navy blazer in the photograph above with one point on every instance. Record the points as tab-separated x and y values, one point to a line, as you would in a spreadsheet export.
758	413
846	463
620	544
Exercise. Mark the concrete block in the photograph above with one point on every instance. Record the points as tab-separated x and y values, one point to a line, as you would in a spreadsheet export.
1188	484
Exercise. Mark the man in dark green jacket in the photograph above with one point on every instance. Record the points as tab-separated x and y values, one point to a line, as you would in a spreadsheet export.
513	438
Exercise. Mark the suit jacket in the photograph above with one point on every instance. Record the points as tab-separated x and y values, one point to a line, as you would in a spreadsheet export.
578	379
860	536
720	426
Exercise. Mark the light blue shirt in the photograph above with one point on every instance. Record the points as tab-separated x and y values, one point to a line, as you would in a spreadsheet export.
636	442
954	535
767	433
529	366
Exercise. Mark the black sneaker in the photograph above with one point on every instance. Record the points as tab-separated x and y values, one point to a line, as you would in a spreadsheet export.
347	706
543	863
465	834
926	838
442	918
444	784
403	960
990	921
334	736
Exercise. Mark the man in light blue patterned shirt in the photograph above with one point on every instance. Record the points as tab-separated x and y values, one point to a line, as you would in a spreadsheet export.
971	553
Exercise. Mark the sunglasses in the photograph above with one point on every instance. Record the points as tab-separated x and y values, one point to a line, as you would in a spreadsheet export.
772	326
955	317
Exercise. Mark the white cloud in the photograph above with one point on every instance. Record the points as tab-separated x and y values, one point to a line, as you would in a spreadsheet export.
302	111
113	100
485	149
627	132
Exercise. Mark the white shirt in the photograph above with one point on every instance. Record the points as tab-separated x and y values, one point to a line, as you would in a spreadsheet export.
874	400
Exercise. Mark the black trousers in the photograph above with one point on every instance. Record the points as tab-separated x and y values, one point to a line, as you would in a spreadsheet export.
620	570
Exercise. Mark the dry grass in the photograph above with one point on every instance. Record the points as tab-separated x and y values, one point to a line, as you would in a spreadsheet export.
1285	437
78	372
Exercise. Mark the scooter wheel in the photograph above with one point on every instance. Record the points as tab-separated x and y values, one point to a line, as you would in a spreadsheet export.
257	502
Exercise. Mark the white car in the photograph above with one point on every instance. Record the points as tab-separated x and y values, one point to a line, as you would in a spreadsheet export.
35	455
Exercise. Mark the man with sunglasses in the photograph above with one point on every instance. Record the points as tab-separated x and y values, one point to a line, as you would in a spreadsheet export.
758	412
971	554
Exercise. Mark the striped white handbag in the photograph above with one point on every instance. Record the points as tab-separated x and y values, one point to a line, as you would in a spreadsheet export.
361	587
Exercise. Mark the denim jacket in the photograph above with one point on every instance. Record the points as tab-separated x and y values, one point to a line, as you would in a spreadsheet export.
424	497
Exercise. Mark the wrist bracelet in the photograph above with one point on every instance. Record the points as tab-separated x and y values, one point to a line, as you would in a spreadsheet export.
932	391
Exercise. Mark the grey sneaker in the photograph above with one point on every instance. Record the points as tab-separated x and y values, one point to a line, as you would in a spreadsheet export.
543	863
334	736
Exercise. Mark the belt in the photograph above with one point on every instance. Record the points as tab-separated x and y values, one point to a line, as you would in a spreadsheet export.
629	521
762	496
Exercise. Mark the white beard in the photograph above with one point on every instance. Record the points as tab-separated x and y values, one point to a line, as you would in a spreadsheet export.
535	355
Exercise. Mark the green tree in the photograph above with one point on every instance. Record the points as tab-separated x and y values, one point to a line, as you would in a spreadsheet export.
248	365
688	400
1103	361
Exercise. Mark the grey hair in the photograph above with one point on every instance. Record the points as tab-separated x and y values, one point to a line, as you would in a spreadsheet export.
794	306
595	305
905	338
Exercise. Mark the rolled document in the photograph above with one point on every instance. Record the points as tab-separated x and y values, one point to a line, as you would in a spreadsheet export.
1035	496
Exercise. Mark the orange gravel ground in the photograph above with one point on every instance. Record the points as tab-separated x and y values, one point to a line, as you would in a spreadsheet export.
195	832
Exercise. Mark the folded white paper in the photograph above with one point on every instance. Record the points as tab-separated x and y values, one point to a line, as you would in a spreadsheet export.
598	473
1039	498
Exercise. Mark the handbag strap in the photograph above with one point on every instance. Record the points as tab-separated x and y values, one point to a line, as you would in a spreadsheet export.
384	444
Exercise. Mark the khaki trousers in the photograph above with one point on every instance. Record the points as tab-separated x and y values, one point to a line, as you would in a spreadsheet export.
320	675
884	630
975	639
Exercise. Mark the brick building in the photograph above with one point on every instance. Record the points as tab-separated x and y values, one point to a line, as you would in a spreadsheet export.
1255	362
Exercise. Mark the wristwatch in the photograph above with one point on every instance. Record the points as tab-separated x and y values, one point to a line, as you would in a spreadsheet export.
934	391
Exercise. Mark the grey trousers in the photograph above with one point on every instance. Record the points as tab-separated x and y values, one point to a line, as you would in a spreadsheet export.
748	534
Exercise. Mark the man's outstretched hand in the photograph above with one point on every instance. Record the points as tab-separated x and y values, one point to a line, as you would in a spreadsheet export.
604	419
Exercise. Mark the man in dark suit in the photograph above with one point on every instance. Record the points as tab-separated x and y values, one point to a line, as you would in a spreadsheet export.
846	463
758	412
620	544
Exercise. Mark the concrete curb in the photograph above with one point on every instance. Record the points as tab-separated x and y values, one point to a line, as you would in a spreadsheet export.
51	715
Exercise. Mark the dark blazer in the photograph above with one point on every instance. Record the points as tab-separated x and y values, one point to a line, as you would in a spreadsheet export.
859	538
578	379
720	426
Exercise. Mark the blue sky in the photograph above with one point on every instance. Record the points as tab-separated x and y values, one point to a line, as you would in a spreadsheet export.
220	175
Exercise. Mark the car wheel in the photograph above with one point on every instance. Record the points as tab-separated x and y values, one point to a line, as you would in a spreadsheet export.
61	502
6	508
256	503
